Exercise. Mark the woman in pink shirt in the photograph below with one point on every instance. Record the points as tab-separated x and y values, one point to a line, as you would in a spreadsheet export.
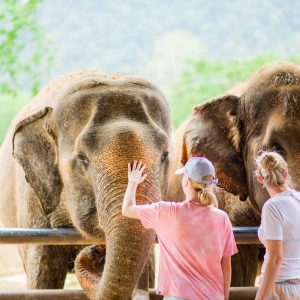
195	237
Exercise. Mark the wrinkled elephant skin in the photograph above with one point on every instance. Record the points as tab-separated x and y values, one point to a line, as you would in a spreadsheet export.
71	146
230	130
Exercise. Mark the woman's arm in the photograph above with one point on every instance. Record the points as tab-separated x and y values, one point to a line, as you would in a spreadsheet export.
274	249
135	177
226	269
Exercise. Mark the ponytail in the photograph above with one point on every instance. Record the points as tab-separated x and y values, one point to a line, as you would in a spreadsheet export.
207	197
206	194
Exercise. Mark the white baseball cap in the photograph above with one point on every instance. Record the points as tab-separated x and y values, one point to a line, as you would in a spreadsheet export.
198	167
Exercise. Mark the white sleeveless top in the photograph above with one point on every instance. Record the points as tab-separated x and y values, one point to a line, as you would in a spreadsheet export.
281	221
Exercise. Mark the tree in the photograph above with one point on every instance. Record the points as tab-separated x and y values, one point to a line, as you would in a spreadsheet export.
23	55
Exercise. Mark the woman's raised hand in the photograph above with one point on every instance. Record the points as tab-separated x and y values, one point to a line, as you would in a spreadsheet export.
135	173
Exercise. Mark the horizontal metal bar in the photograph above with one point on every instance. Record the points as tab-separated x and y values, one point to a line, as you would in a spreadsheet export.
43	295
46	236
236	293
242	293
70	236
246	235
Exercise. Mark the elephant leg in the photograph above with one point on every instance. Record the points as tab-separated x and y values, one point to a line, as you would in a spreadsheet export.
141	290
146	280
261	254
244	266
152	269
45	266
143	282
245	262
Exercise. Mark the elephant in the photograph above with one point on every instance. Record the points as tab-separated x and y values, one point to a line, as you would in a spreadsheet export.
64	164
230	130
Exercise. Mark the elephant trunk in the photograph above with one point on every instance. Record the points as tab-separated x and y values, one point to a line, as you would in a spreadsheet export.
128	247
127	251
125	259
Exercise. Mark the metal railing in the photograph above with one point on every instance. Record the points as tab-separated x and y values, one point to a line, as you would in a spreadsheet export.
236	293
70	236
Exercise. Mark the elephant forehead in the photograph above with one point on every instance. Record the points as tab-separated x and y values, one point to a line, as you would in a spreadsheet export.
97	108
275	122
281	127
121	152
113	101
123	132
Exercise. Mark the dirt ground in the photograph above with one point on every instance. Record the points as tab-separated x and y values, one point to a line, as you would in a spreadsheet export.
12	275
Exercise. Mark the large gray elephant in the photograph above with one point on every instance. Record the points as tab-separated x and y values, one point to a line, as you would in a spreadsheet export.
71	146
229	131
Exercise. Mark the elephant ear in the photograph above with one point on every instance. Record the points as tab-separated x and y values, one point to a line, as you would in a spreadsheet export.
34	147
214	131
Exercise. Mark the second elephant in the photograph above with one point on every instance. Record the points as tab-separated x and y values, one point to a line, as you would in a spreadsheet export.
230	131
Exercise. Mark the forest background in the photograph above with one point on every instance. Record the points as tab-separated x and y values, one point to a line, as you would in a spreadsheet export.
193	50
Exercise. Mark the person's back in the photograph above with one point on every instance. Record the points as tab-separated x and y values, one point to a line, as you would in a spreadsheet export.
279	230
285	208
197	238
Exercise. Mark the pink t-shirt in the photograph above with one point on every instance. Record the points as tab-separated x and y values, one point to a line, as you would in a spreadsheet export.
192	240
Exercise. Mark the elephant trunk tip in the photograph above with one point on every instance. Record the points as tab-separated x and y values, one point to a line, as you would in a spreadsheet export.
86	271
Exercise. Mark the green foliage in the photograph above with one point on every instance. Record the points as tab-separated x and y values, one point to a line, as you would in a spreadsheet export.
23	55
201	80
204	79
9	106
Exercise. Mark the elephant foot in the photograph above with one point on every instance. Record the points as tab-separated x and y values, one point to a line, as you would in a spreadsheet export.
86	268
139	294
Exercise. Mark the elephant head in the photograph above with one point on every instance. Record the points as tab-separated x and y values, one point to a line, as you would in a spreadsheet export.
230	130
76	148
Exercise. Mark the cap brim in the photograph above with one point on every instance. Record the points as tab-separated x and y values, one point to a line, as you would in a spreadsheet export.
179	171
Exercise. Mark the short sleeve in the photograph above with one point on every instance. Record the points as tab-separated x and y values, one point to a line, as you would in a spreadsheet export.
272	222
230	245
148	214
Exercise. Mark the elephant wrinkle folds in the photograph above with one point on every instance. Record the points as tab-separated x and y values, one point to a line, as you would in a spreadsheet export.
260	114
72	144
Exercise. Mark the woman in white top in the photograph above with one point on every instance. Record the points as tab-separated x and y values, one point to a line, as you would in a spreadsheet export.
279	230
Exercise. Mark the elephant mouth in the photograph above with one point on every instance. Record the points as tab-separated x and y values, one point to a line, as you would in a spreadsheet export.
88	222
91	211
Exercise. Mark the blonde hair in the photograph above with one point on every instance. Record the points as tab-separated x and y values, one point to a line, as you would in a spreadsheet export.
272	167
206	195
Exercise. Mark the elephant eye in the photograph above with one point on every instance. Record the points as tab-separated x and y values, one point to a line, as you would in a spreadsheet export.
164	156
84	160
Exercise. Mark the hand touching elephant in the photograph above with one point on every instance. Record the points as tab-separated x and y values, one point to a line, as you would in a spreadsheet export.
71	145
229	131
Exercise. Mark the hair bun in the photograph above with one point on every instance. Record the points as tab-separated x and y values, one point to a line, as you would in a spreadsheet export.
272	167
269	162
